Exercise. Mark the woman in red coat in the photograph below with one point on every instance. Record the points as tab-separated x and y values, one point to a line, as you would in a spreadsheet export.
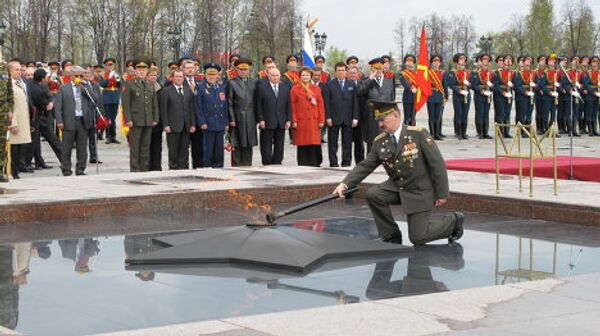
308	117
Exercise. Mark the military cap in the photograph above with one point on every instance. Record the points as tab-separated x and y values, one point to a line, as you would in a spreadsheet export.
66	62
211	68
511	57
562	58
130	63
141	64
540	57
291	58
436	56
30	64
317	58
183	59
268	58
382	108
407	57
234	57
352	59
171	64
98	66
458	56
552	56
109	59
51	63
594	58
485	55
582	57
499	57
387	58
574	57
376	63
242	63
152	63
523	57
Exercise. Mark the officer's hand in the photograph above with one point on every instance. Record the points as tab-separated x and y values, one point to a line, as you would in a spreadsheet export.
167	129
339	190
60	126
261	124
232	124
294	125
287	125
321	126
440	202
372	75
204	127
329	122
129	124
154	123
50	106
193	129
354	123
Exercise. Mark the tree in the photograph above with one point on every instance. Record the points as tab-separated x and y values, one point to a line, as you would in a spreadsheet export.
334	55
540	27
400	34
578	33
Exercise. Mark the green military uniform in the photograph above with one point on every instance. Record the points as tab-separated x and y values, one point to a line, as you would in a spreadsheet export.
417	178
140	105
6	104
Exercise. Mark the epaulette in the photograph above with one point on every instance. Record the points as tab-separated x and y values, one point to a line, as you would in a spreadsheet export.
380	136
414	128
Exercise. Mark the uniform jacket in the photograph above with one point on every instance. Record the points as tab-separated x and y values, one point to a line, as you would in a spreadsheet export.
439	86
341	105
211	106
307	115
456	80
479	81
241	95
522	81
177	112
415	168
140	102
590	84
408	81
111	88
501	80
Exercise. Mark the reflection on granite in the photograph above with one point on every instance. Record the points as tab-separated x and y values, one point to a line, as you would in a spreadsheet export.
68	277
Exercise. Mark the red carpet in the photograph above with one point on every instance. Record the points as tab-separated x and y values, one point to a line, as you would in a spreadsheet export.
584	168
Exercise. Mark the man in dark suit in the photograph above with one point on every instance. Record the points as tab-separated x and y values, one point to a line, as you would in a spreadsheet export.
75	114
377	87
273	114
242	115
359	146
178	119
341	113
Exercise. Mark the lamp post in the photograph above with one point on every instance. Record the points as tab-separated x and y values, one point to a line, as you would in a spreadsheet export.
175	41
320	42
486	44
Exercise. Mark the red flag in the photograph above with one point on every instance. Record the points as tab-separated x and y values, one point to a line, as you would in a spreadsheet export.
423	84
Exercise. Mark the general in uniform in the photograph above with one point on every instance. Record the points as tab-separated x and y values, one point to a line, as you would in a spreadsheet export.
418	180
140	108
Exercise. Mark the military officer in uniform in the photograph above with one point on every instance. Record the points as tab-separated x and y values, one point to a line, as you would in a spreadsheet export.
418	180
503	93
524	91
232	71
212	114
571	87
140	107
548	84
387	67
482	88
320	63
267	61
591	91
439	96
242	116
459	80
111	87
6	105
408	79
292	76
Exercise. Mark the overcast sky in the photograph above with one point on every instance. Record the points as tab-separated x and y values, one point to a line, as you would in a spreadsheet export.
366	28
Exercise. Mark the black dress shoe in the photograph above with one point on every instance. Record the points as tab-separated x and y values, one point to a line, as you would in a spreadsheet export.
96	161
115	141
67	173
108	141
394	238
458	227
43	166
16	176
26	170
80	173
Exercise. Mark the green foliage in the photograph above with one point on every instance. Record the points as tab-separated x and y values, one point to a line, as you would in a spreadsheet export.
334	55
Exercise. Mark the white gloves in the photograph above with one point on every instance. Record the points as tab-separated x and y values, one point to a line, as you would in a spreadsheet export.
507	94
557	84
489	84
510	84
597	94
414	90
464	92
487	93
467	83
575	94
530	94
578	85
554	94
532	84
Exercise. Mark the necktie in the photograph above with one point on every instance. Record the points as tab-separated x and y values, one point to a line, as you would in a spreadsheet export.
342	85
394	141
180	89
276	90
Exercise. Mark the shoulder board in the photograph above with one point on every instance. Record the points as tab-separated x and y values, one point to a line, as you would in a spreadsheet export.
380	136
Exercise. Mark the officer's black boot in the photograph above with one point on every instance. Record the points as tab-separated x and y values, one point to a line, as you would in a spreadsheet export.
463	131
439	128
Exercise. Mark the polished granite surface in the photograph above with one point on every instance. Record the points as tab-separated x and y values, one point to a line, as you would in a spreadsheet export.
57	281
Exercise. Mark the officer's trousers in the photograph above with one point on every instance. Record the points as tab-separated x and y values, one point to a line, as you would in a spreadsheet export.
213	149
139	151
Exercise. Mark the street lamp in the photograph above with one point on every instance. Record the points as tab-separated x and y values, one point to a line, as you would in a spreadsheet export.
486	44
320	42
175	41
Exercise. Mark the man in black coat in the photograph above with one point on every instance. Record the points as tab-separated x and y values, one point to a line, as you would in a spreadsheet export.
341	113
274	115
41	101
178	119
242	115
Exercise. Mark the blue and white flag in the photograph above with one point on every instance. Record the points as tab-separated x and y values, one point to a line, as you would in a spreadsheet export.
308	55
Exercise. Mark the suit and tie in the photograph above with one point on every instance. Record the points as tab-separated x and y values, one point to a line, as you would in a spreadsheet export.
381	89
342	110
272	108
75	110
177	114
196	138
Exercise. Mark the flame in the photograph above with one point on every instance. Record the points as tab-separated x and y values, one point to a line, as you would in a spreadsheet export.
247	202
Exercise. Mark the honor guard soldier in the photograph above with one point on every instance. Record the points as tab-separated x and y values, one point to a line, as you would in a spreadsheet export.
212	115
291	77
539	93
459	82
267	61
439	96
129	70
140	108
503	93
232	71
408	80
482	87
571	97
6	106
320	63
591	91
585	68
387	67
198	75
98	72
53	77
549	85
66	66
353	61
418	181
524	91
111	87
172	66
563	97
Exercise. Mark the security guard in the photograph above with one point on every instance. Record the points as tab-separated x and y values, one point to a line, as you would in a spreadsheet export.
111	85
212	115
140	107
482	87
408	80
418	180
459	80
6	105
